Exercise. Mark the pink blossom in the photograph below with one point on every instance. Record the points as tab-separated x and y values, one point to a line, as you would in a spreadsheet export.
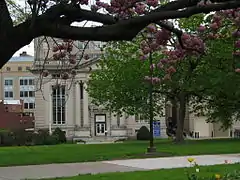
201	28
236	53
156	80
236	33
152	66
237	70
171	70
214	26
237	44
152	28
143	57
216	18
153	3
163	61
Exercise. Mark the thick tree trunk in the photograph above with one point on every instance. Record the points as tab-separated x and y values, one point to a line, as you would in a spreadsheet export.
13	41
180	120
174	112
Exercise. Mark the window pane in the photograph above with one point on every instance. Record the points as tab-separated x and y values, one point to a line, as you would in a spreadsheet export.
25	82
6	94
21	94
31	105
25	105
25	93
63	115
6	82
19	68
11	94
31	94
21	82
30	81
58	105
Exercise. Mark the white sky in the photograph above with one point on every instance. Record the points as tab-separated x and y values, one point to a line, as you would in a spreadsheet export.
29	48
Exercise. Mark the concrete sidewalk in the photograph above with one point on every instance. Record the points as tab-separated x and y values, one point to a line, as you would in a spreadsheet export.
73	169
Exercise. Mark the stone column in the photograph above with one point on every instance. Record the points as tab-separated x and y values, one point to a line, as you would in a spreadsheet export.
85	106
50	122
77	104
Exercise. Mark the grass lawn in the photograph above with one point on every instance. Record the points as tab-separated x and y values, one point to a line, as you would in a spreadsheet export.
167	174
131	149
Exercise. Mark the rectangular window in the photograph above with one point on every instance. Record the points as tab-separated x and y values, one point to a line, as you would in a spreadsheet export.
31	93
25	93
25	82
8	94
19	68
58	104
31	82
8	69
21	82
8	82
25	105
21	93
141	118
31	105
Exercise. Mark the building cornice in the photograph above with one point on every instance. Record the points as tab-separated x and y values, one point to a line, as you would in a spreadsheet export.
54	66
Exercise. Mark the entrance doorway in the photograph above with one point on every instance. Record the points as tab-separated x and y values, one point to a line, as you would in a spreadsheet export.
100	129
100	124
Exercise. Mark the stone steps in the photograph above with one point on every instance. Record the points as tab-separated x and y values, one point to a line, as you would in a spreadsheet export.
97	140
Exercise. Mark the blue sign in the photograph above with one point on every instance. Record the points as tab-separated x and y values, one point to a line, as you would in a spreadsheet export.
156	129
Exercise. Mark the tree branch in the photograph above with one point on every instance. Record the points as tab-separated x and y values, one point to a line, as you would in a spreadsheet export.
74	13
55	22
6	23
127	29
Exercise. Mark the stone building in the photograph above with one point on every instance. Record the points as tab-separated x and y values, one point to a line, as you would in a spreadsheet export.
17	82
69	107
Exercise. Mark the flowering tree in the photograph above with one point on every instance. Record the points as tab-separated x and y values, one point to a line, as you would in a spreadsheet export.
119	83
183	69
121	19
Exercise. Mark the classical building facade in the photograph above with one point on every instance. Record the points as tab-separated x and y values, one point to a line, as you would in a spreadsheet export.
69	107
66	104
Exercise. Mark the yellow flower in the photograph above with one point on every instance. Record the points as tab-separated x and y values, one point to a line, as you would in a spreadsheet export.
191	160
217	176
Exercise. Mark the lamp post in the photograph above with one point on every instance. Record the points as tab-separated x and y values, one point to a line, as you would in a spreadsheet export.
151	147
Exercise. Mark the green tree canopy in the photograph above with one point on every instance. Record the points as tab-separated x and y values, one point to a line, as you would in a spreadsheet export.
119	83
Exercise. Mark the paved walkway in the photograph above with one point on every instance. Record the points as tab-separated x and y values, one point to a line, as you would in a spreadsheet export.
73	169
